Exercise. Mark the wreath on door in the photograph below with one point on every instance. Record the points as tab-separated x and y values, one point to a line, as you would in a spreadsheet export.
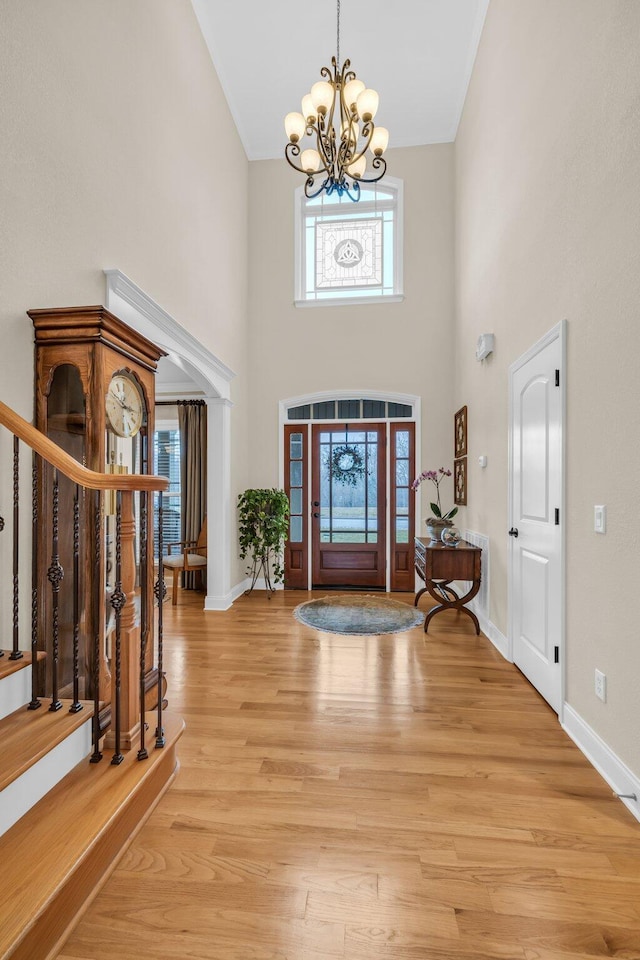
347	465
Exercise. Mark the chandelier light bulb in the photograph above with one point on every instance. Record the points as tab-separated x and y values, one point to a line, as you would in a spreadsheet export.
308	109
322	94
379	141
357	169
352	91
367	105
295	126
310	161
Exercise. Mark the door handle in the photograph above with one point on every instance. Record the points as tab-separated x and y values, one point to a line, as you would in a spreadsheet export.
513	532
316	503
316	514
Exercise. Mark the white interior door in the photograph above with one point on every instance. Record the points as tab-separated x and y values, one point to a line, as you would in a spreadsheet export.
537	515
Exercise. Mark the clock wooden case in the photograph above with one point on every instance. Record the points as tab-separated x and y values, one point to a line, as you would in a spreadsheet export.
94	394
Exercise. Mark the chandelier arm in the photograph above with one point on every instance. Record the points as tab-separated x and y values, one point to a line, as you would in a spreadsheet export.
309	183
326	149
355	186
367	133
377	162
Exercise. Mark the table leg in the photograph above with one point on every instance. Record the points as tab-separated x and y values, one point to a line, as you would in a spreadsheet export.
439	590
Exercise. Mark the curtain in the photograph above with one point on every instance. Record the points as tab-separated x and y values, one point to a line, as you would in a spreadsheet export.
192	421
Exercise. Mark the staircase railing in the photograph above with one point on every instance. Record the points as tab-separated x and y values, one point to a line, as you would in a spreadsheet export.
118	669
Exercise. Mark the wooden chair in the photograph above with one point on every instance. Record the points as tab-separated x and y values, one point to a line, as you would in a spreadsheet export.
191	558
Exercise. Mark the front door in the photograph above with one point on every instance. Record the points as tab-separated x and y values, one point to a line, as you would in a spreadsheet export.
536	479
348	505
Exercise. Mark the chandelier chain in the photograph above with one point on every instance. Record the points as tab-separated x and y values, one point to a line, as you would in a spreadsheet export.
338	35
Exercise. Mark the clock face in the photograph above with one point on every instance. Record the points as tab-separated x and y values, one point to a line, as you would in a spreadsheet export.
123	405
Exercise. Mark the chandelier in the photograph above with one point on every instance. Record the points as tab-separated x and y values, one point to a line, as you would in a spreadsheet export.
338	117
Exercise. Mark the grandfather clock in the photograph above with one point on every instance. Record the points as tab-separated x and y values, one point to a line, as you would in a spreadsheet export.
94	396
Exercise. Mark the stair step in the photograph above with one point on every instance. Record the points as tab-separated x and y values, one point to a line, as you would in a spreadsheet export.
9	666
59	854
15	682
29	735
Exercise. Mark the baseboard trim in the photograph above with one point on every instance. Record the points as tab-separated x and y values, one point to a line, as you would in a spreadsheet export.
489	628
219	603
496	636
600	755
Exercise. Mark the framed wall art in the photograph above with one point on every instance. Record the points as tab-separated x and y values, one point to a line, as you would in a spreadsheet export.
460	433
460	482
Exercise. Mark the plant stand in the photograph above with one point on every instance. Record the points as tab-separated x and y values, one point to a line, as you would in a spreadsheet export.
260	565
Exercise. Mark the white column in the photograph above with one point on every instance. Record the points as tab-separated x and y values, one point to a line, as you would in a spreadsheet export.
219	504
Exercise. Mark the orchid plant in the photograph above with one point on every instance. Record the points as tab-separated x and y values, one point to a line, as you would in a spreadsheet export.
436	477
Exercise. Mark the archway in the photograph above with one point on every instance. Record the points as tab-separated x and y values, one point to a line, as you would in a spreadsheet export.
212	378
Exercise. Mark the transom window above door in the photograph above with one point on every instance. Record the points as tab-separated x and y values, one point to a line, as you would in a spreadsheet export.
349	253
350	409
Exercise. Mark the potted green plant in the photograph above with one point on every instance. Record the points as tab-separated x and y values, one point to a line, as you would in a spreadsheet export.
263	520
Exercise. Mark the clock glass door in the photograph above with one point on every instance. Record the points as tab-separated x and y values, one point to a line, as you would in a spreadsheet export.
66	426
348	505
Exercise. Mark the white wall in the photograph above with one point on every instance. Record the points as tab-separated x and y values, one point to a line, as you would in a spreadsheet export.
548	227
118	150
403	347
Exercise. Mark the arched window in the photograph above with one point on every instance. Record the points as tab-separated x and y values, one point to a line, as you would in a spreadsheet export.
349	252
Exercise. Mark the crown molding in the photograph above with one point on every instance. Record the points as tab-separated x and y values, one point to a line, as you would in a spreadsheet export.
124	297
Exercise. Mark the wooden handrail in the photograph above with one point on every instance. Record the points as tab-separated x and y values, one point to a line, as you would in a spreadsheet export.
57	457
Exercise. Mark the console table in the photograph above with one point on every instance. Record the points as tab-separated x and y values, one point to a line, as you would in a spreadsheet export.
438	565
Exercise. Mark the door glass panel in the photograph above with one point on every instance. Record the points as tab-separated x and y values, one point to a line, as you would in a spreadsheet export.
402	530
348	487
295	500
402	444
295	530
402	473
295	473
295	446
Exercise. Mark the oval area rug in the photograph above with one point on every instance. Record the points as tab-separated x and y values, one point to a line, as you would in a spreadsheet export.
358	615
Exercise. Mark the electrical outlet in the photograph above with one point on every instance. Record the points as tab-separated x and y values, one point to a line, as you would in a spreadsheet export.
601	686
600	519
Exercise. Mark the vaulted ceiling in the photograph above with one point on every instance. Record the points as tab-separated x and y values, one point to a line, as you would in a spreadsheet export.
418	55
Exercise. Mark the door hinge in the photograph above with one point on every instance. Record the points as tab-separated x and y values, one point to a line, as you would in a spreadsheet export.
556	654
557	517
557	378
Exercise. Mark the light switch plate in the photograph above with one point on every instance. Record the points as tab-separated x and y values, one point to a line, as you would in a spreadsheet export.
600	519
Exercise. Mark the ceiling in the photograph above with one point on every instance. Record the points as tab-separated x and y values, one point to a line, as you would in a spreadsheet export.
418	55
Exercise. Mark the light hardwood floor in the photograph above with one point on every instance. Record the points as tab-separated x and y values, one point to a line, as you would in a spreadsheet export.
389	798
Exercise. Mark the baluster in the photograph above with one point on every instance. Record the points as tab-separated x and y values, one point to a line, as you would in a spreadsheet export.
1	529
144	619
160	592
35	703
16	653
55	575
76	706
96	756
118	601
